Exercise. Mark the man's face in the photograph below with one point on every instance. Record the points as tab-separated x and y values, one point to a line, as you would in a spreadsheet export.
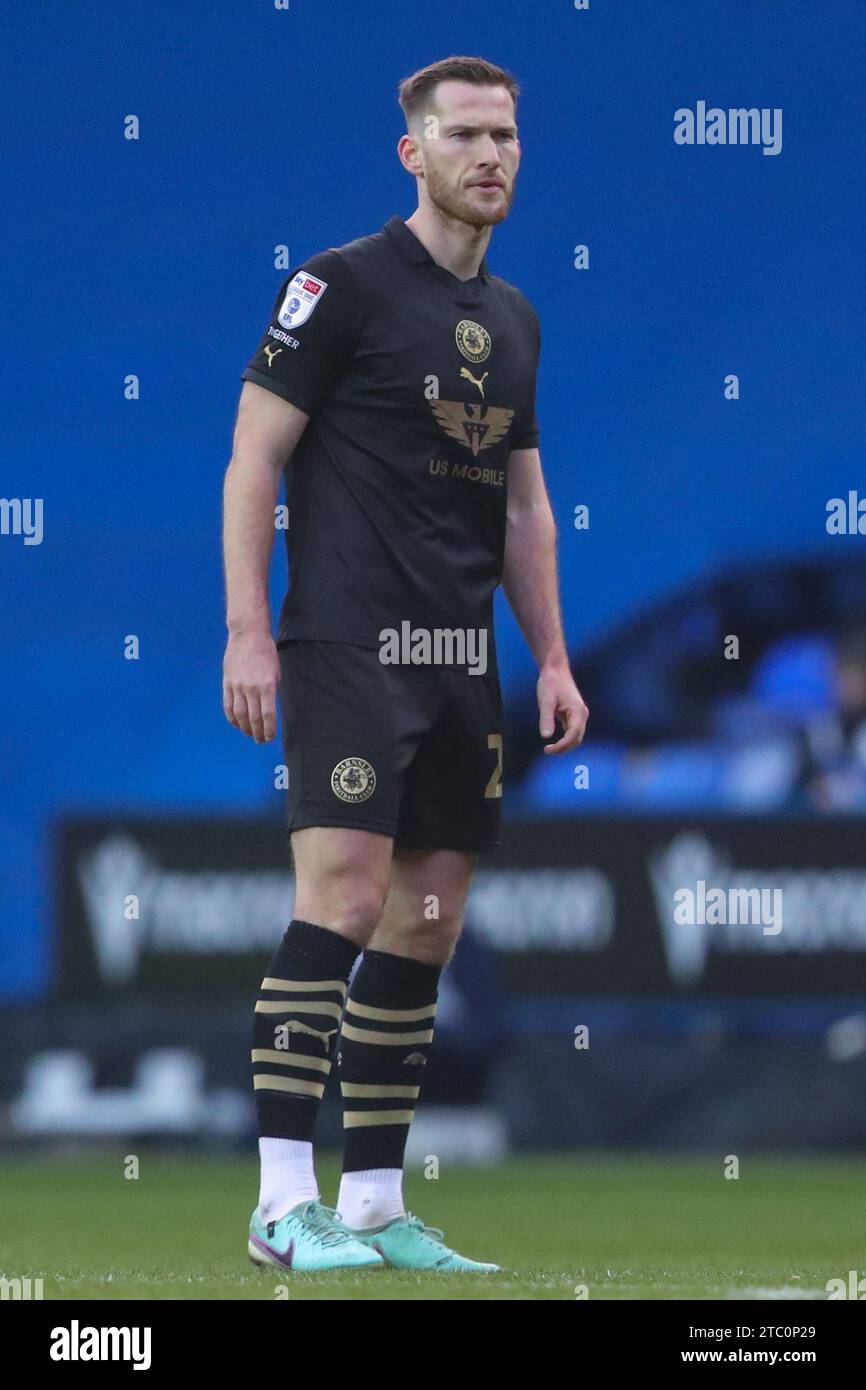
470	152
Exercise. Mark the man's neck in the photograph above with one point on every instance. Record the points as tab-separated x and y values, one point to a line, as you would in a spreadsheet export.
455	245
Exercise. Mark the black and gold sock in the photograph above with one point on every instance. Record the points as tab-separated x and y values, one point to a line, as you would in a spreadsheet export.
296	1021
385	1039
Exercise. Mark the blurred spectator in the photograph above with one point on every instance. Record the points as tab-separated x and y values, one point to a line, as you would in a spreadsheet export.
834	777
678	725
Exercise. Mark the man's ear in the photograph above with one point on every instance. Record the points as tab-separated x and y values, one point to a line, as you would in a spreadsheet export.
407	149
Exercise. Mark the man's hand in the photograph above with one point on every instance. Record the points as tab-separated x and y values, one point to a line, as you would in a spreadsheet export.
251	674
559	698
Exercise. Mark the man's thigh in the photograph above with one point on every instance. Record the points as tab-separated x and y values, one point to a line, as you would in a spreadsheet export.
350	728
341	878
452	789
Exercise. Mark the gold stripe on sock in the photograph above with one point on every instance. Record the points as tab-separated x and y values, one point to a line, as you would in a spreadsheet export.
366	1035
290	1059
303	986
297	1006
354	1119
350	1089
389	1015
265	1081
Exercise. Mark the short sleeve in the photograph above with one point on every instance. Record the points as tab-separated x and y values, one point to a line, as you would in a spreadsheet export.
524	431
311	335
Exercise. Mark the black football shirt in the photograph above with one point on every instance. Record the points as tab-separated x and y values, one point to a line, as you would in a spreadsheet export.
418	385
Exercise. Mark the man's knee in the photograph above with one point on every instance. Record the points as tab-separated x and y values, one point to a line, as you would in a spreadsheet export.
341	880
431	939
350	901
355	905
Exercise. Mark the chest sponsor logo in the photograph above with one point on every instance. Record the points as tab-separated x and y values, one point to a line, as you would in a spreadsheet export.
476	427
473	340
302	295
471	472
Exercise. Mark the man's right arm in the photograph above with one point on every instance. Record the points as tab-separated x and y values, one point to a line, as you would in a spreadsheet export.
312	333
267	431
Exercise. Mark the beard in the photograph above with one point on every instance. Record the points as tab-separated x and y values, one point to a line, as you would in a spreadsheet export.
456	203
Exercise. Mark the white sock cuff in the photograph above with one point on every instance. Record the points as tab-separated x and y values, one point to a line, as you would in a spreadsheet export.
380	1177
286	1150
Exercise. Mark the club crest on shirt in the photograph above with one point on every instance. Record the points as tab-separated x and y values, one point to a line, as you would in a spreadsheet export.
303	293
353	779
472	340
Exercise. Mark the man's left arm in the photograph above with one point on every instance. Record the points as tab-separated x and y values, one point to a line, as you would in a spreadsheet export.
529	580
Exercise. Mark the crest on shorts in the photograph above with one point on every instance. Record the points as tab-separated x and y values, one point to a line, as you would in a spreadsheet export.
303	293
353	779
473	340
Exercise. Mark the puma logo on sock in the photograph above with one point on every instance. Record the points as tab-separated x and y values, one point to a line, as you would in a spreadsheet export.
295	1025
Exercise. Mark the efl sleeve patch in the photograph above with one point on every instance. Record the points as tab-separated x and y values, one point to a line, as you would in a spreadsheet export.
300	360
302	295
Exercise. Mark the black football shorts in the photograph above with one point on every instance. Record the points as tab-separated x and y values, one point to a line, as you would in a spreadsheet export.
414	752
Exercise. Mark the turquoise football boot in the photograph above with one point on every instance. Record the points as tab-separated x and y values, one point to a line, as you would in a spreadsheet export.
408	1244
309	1237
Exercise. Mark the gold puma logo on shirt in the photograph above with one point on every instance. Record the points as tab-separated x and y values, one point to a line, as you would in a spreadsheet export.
270	353
465	372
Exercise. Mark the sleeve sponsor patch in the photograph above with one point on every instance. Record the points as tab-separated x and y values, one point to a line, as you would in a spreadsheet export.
302	295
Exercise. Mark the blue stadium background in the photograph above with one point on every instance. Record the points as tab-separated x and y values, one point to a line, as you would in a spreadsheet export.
156	257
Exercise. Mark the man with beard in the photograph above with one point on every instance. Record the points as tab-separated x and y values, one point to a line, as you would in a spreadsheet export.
398	375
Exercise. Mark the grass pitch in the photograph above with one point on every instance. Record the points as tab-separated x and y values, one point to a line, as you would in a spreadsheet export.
635	1227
